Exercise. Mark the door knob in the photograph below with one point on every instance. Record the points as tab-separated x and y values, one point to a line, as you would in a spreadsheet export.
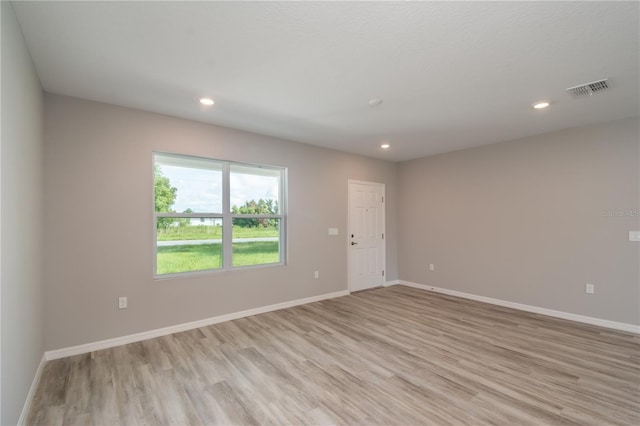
353	244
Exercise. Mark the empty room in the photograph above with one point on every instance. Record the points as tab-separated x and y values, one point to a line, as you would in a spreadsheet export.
319	213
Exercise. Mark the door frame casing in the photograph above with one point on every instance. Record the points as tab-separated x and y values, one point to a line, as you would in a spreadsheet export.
384	227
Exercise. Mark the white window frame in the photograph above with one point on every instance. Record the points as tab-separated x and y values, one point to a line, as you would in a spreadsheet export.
226	216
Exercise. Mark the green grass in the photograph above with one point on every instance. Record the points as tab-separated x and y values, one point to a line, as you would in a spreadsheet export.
257	253
200	257
207	232
187	258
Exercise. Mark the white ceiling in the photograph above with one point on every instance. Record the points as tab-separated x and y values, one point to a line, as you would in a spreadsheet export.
452	74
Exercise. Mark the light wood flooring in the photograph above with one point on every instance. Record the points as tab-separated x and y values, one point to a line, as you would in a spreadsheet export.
392	356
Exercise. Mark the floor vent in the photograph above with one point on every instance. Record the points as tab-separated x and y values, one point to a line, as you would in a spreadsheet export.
589	88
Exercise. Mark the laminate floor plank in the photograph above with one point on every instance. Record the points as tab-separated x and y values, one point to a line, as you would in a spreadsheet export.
77	401
127	389
150	397
390	356
102	389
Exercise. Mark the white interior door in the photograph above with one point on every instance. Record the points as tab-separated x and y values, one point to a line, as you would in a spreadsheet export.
366	235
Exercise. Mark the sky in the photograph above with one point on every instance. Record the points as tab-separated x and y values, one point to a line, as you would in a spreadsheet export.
201	189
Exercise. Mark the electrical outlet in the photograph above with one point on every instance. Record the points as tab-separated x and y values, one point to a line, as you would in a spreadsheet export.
432	267
122	302
590	288
316	274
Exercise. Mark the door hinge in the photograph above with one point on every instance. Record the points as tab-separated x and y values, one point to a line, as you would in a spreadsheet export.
383	235
383	273
383	199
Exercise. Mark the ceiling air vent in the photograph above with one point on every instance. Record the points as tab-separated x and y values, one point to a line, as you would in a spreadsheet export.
588	89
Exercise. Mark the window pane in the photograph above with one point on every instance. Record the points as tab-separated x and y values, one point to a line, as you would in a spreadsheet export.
188	244
256	241
187	184
254	190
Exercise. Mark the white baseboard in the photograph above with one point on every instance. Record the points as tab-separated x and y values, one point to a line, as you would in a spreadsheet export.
390	283
32	391
537	310
137	337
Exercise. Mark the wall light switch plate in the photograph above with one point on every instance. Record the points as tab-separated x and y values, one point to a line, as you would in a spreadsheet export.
333	231
122	302
589	289
634	235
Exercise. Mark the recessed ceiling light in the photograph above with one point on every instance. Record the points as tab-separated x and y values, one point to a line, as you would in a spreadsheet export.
385	146
207	101
375	102
541	105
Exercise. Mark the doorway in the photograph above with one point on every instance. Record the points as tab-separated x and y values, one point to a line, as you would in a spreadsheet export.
366	235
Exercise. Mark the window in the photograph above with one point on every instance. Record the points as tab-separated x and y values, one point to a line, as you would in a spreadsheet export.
216	215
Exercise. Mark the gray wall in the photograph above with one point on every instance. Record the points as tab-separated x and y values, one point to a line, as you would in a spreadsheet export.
527	221
99	231
21	212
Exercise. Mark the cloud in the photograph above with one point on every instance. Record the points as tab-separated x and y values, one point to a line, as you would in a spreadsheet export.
246	187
